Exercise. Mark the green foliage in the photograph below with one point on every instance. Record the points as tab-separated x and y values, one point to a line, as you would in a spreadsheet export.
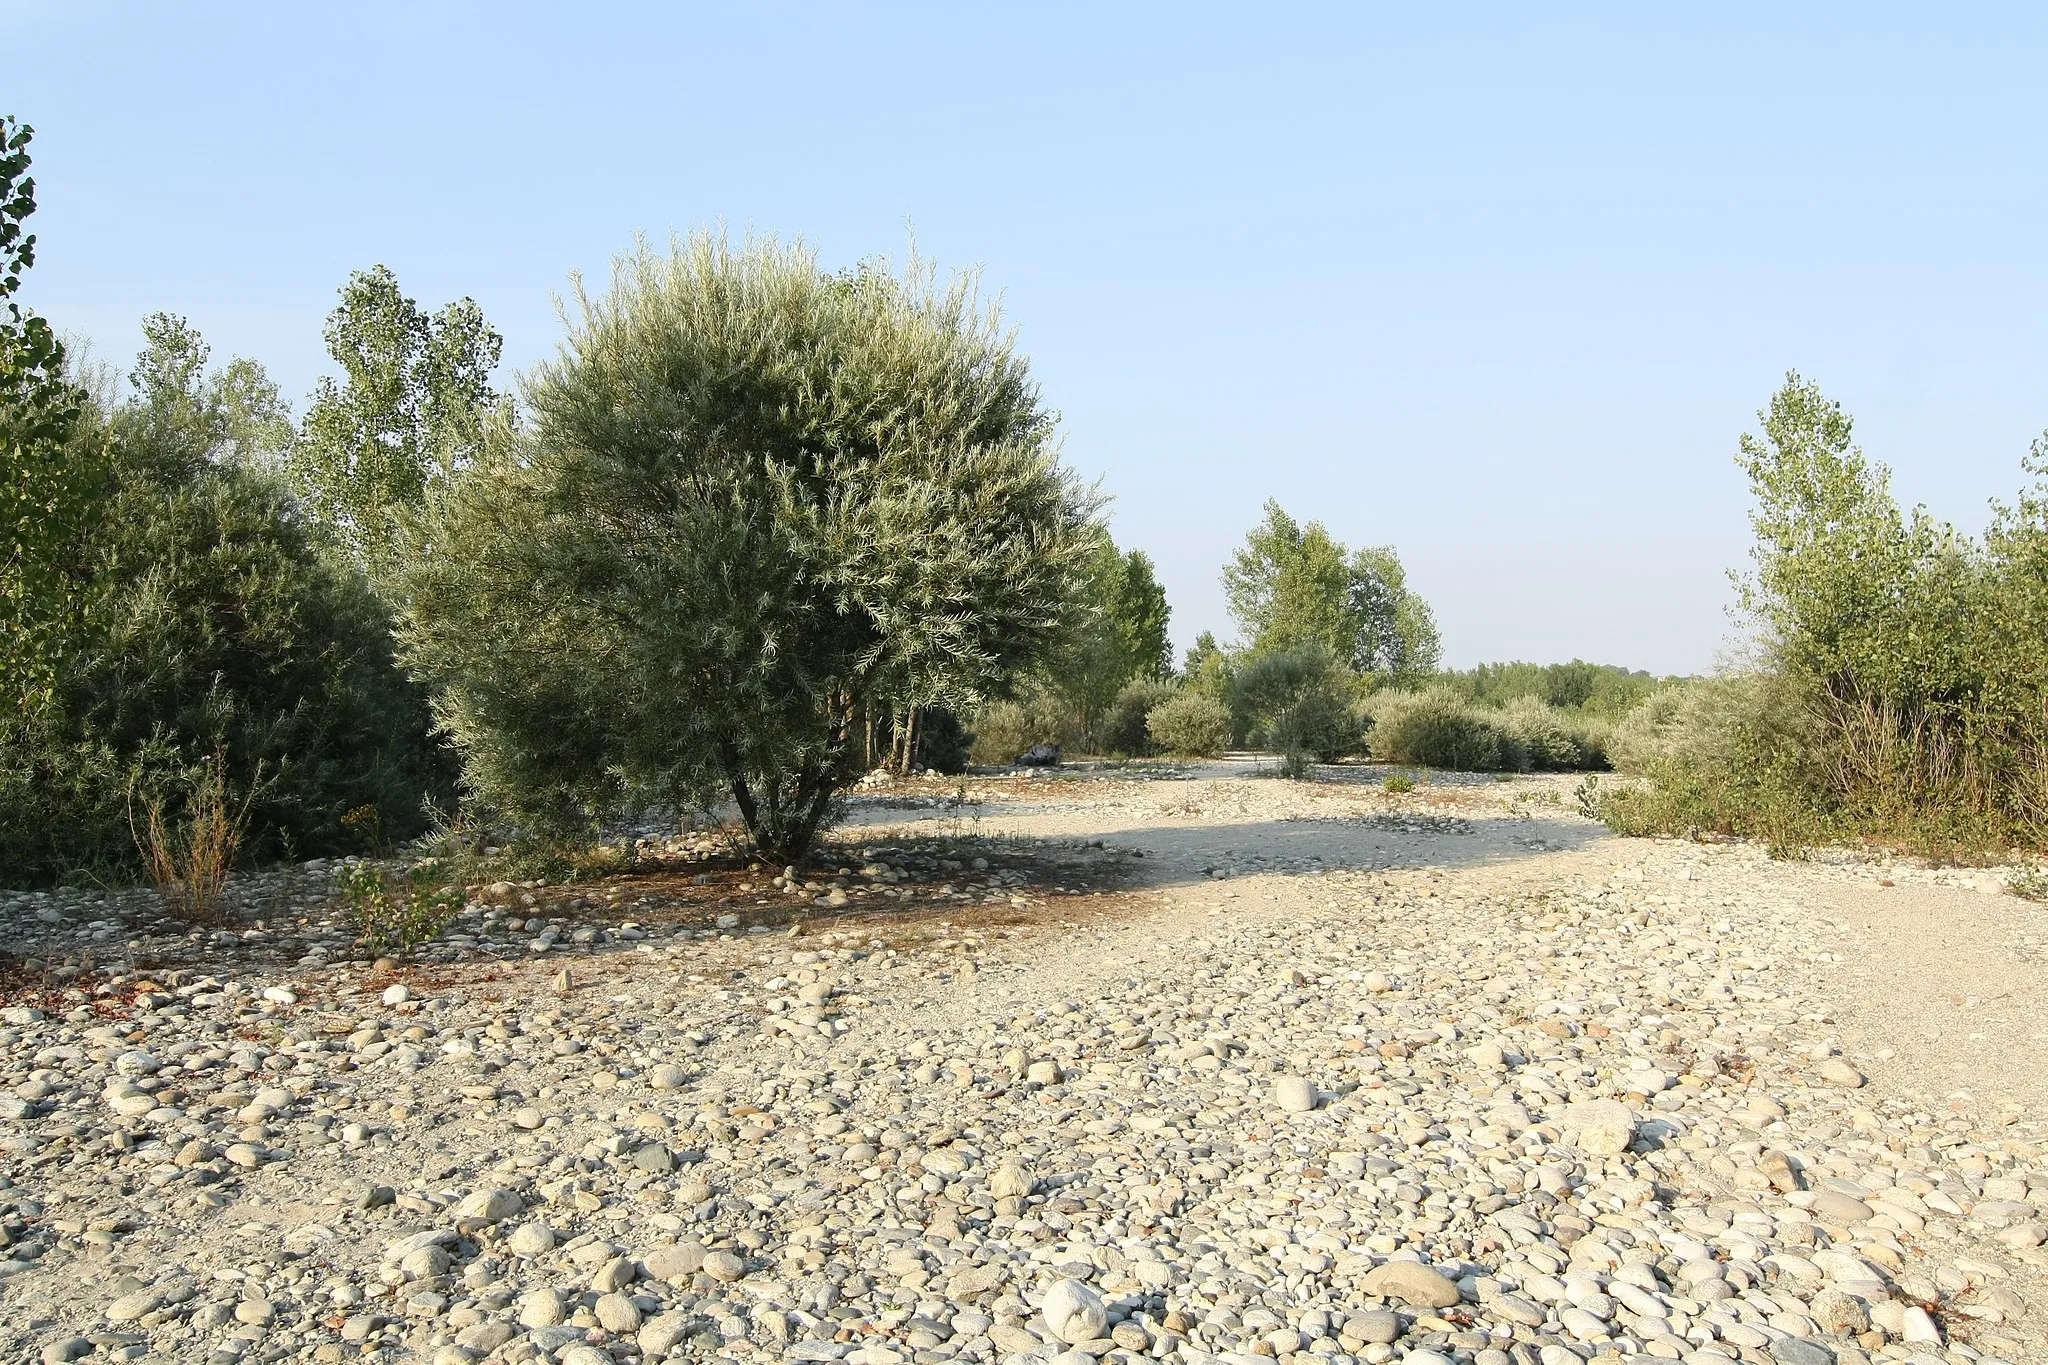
207	620
1190	725
1398	783
50	472
1437	728
412	410
1123	729
1904	692
1316	723
1735	756
1293	586
1598	689
396	916
1118	634
756	501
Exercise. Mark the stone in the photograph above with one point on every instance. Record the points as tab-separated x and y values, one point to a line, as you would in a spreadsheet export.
490	1205
1375	1326
1838	1207
1294	1094
1838	1071
1799	1351
1073	1312
724	1267
1604	1127
540	1308
397	994
1838	1314
1009	1182
1413	1283
616	1313
66	1349
529	1240
667	1076
674	1263
659	1334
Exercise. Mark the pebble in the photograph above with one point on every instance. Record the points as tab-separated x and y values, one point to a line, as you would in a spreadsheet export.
1587	1121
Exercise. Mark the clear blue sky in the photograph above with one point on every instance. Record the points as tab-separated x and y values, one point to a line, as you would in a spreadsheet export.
1499	291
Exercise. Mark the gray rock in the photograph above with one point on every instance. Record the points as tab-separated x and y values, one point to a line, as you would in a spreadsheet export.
1073	1312
1411	1282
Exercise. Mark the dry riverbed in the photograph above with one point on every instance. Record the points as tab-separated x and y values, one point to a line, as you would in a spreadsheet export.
1187	1066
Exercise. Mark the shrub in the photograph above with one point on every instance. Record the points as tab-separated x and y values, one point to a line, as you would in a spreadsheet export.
1398	783
1004	729
189	863
1553	740
1317	724
1124	728
1437	728
755	501
393	917
209	620
1190	725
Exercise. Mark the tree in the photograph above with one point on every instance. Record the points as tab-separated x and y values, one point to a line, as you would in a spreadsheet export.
1293	586
412	409
50	472
754	501
208	623
1119	635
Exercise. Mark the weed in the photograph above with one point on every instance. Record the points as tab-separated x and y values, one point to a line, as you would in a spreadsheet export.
394	916
189	862
1399	783
2029	884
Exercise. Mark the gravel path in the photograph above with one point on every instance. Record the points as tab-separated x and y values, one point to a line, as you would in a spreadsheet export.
1325	1075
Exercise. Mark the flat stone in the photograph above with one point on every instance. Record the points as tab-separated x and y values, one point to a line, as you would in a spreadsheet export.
1413	1283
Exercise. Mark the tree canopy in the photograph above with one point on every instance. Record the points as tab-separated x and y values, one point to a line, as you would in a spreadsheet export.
1292	586
754	498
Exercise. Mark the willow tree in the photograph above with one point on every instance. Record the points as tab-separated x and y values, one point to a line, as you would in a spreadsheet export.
752	501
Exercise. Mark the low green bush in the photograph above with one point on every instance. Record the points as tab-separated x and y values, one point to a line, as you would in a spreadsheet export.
1317	725
1190	725
210	621
1436	728
1123	728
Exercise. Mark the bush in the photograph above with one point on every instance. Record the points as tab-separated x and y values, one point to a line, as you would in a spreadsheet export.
1437	728
755	502
1553	740
1004	729
1318	724
394	917
1735	756
210	621
1398	783
1124	727
1190	725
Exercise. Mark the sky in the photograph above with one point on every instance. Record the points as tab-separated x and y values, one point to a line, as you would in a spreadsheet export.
1501	290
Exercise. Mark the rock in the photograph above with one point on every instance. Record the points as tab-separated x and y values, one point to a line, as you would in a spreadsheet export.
659	1334
540	1308
486	1337
585	1355
674	1263
1009	1182
724	1267
280	995
615	1274
490	1205
1294	1094
1375	1326
1073	1312
1837	1207
129	1307
1838	1314
1799	1351
1918	1329
397	994
1604	1127
668	1076
244	1155
66	1349
1413	1283
617	1313
1838	1071
1040	756
530	1240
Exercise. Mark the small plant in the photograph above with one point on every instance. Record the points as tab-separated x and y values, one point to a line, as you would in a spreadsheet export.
2029	884
189	862
366	824
1399	783
394	916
